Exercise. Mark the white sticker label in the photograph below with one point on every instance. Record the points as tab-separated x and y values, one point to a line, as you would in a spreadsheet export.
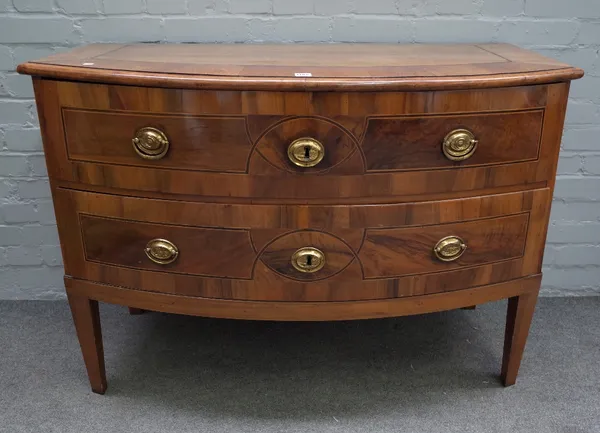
88	64
302	74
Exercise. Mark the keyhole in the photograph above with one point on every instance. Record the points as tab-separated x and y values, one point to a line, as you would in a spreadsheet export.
306	152
308	261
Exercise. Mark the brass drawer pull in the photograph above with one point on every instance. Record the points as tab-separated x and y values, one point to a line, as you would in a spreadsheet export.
449	248
459	145
308	260
150	143
306	152
161	251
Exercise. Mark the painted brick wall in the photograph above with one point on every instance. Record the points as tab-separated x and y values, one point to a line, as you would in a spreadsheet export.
30	262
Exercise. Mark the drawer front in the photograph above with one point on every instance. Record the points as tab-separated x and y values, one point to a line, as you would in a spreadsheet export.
222	144
194	251
276	252
416	143
397	251
298	145
188	142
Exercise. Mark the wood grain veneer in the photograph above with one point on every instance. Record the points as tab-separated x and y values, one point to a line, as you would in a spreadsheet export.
345	168
413	142
206	143
235	209
333	67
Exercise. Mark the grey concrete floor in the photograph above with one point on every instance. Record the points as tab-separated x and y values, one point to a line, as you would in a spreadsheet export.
431	373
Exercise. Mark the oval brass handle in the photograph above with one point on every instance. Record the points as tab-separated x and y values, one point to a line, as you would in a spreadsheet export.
459	145
161	251
306	152
150	143
449	248
308	260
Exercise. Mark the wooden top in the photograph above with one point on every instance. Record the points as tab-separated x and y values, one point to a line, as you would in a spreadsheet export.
304	67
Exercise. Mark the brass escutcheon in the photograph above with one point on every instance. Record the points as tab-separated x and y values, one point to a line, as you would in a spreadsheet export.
459	145
449	248
150	143
306	152
161	251
308	260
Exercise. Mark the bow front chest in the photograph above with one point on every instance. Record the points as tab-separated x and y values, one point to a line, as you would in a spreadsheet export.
295	182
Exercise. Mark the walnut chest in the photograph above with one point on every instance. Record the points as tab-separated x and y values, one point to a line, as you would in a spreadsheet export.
297	182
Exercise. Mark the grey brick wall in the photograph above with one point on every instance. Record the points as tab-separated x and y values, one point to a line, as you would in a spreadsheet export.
30	263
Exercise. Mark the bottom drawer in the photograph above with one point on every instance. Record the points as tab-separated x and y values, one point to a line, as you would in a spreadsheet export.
301	252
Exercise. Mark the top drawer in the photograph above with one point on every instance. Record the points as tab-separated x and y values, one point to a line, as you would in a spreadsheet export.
296	145
222	144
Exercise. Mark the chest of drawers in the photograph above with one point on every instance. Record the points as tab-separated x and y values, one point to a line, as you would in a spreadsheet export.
300	182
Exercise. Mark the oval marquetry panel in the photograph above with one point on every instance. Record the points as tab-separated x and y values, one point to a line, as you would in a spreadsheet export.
277	255
338	144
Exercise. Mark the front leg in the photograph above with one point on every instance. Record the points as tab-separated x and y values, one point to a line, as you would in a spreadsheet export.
518	321
86	317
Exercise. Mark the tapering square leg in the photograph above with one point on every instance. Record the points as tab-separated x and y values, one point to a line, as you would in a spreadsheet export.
86	317
136	311
518	321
